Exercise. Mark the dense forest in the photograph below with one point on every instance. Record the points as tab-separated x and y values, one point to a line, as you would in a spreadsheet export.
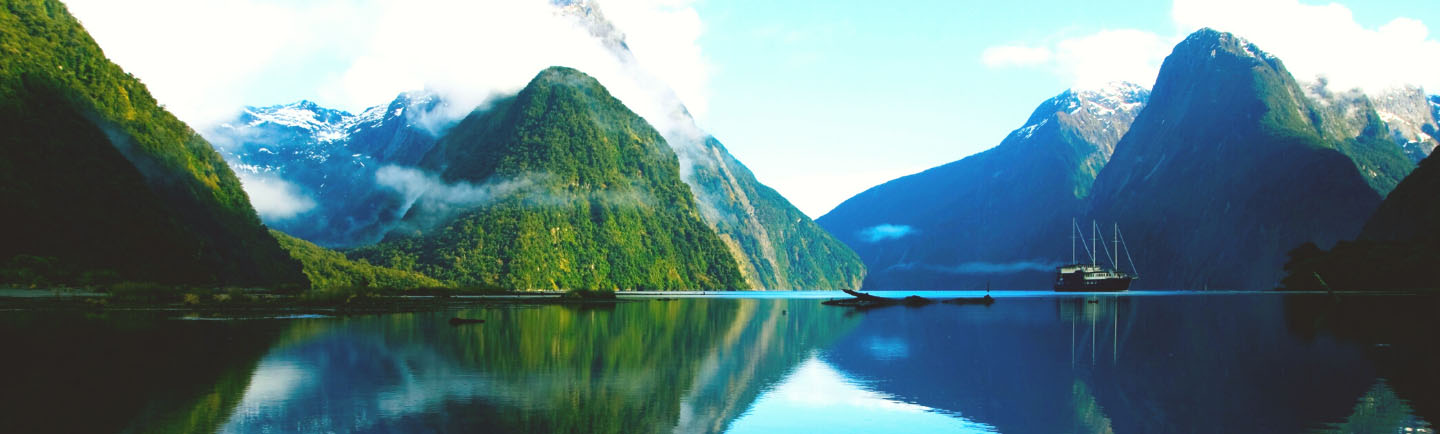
103	184
328	269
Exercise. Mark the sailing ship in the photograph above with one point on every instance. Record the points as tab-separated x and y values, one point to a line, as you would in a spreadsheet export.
1093	277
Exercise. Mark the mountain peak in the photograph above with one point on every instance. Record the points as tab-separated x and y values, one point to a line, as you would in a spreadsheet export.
303	114
563	75
1098	101
1214	42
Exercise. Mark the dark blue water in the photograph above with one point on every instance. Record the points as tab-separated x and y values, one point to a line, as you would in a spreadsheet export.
1030	363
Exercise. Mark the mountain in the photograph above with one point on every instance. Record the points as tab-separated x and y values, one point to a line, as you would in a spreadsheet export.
335	160
1350	114
1229	166
558	187
1434	101
1002	216
1412	211
1400	241
101	183
1411	119
331	158
328	269
1396	250
777	246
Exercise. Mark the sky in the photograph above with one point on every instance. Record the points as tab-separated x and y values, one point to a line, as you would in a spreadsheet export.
821	100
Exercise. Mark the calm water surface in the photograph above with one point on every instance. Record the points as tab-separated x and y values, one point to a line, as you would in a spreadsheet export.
1030	363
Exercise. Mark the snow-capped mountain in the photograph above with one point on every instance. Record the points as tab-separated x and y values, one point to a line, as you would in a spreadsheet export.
1409	117
1404	111
1435	112
977	220
329	158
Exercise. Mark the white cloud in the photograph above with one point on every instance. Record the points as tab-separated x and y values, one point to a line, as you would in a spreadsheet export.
1112	55
203	59
1314	39
665	35
189	54
1014	55
274	198
1091	60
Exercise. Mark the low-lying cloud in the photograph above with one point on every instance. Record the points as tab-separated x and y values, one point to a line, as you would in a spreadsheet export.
416	185
981	267
274	198
878	233
428	200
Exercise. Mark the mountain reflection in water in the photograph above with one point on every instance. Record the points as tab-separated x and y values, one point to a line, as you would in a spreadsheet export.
1027	364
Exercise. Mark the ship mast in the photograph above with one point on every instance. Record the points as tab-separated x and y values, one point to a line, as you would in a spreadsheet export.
1117	246
1073	226
1094	247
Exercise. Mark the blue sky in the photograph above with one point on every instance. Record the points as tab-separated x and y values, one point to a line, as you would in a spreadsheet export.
820	99
864	92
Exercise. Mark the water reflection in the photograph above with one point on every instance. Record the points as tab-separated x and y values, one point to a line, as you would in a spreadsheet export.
79	372
653	366
1114	364
816	395
1380	411
1154	364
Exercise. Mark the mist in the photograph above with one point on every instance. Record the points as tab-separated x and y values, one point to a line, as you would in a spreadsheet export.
274	198
980	267
883	232
427	200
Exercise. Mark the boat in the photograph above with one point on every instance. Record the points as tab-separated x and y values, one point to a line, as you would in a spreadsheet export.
1093	277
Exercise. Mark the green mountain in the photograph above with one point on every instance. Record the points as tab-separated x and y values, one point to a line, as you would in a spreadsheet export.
776	245
999	217
1230	166
558	187
101	183
329	269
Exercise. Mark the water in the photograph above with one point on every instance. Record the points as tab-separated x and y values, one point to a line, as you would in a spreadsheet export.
1031	363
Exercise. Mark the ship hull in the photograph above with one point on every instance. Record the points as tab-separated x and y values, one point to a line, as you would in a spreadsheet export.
1077	282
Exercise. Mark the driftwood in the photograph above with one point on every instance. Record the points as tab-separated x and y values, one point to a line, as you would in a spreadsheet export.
460	321
863	300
